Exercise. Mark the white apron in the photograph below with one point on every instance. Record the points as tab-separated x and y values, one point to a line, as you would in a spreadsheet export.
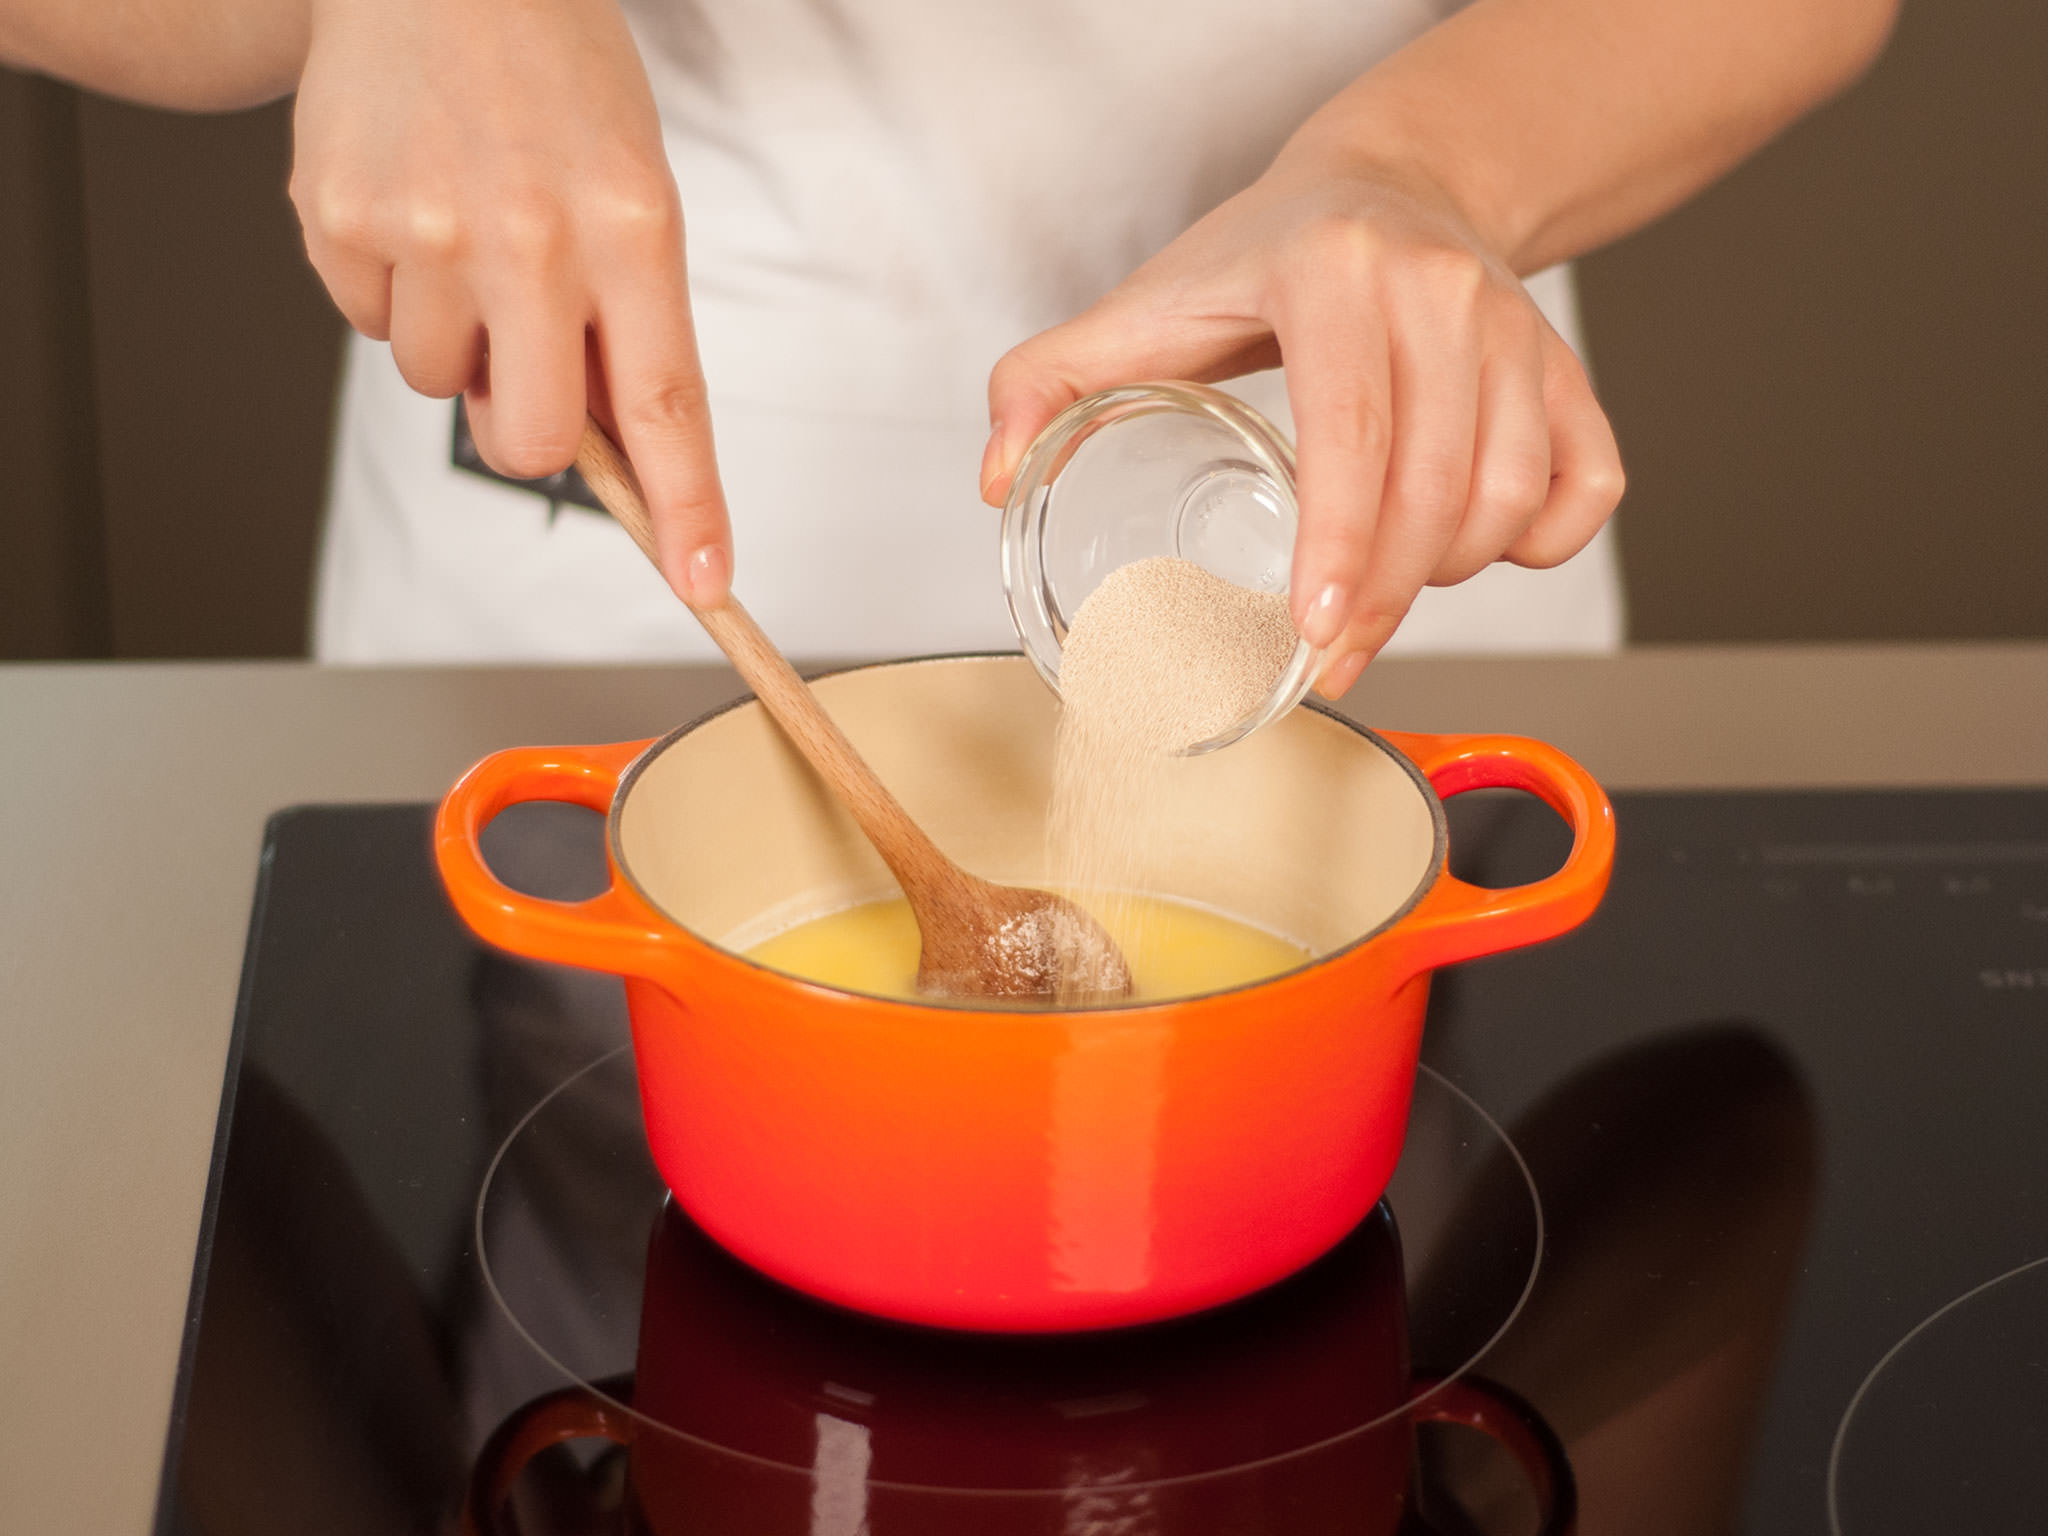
882	197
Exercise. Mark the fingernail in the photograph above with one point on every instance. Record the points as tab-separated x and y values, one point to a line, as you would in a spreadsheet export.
991	461
1338	677
707	576
1324	619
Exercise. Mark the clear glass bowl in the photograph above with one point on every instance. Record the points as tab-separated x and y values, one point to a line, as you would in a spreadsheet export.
1142	470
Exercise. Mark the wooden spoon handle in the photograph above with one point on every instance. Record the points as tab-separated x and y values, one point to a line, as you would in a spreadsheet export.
611	479
911	856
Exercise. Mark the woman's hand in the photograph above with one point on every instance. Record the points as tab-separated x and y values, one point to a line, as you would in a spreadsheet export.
1441	423
485	186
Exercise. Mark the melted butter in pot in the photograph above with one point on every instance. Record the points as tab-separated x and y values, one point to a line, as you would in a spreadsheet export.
1174	949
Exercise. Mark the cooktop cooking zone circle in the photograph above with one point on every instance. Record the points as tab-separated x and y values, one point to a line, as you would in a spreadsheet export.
610	1291
1949	1431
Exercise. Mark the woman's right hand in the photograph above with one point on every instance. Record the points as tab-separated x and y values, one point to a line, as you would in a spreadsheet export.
484	185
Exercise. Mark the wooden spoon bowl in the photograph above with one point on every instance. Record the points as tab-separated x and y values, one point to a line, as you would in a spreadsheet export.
977	938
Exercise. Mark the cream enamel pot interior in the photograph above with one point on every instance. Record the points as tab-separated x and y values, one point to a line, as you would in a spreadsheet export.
988	1168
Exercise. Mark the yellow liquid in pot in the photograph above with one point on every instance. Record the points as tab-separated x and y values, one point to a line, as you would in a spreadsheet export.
1173	949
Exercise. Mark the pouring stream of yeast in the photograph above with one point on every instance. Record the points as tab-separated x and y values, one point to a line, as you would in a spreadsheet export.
977	938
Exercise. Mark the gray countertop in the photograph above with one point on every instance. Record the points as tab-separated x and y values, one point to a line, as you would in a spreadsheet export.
132	803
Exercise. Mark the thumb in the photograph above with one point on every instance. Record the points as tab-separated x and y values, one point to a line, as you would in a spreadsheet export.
1029	385
1115	341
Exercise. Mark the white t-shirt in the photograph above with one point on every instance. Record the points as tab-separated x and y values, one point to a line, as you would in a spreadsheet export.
882	197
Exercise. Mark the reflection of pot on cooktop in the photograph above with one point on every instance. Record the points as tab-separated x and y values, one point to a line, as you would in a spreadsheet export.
755	1410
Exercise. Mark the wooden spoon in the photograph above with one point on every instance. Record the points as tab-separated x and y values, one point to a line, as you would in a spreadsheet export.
979	939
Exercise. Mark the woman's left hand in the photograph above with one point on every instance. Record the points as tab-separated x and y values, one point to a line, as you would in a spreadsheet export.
1441	423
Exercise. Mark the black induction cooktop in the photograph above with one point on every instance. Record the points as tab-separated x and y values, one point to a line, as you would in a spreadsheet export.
1727	1212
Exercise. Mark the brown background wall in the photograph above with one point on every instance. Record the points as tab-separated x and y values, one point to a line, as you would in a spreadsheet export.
173	415
1829	374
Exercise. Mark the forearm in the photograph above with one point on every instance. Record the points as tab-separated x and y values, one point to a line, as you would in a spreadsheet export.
1558	125
198	55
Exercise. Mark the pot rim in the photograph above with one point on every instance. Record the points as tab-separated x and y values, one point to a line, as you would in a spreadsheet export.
1439	825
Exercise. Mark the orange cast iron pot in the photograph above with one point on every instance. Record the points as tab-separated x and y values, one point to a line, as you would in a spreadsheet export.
999	1169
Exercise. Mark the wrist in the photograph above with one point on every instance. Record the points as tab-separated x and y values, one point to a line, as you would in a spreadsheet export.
1369	136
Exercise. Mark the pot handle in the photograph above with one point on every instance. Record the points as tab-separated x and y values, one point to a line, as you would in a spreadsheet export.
1505	1418
572	1413
1458	921
612	931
